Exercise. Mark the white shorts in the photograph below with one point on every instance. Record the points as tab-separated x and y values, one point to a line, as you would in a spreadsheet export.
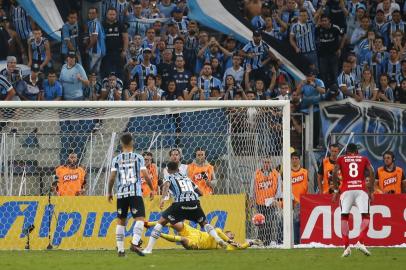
358	198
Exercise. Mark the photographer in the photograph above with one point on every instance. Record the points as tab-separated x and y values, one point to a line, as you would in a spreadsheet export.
231	89
112	88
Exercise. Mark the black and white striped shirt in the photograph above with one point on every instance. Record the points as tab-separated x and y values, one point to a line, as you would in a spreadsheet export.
181	187
347	80
128	178
5	87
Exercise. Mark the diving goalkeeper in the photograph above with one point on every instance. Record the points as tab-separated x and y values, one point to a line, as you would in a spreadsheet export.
192	238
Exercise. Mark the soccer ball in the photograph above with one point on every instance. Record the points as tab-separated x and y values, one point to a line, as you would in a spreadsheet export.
258	219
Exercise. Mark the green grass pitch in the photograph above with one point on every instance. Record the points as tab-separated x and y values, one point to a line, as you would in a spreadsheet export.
304	259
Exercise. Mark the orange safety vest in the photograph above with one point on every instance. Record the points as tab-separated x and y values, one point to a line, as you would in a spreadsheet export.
201	174
328	168
300	182
153	172
390	181
70	181
265	185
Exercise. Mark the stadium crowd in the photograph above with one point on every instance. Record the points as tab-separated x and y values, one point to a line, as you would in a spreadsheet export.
151	50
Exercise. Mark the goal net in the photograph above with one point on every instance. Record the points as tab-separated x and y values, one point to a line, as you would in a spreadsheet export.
55	161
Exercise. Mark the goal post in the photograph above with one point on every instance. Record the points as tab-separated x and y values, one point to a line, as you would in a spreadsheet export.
38	136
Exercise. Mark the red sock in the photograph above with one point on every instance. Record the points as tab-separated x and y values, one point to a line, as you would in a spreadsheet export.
345	229
364	228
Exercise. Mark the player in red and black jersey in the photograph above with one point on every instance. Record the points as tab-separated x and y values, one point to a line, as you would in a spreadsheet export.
354	192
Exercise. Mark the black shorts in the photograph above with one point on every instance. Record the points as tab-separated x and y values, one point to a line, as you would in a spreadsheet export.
178	212
136	205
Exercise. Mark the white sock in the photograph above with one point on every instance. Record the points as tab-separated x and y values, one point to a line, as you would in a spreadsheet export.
137	232
210	230
156	233
120	232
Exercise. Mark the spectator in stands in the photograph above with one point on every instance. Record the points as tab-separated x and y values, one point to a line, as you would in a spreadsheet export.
70	35
367	89
290	13
193	91
300	182
390	179
206	81
360	31
231	89
275	27
394	25
202	172
12	44
142	70
52	89
179	20
165	68
150	90
136	22
132	93
325	171
267	198
165	7
39	51
71	177
385	93
72	78
11	72
258	22
112	88
96	47
379	22
32	86
153	172
236	71
400	93
302	37
284	90
256	53
392	65
388	7
377	57
331	40
171	92
116	40
311	89
93	90
7	91
347	82
180	75
21	22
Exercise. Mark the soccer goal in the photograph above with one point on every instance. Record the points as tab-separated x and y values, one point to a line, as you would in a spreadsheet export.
55	160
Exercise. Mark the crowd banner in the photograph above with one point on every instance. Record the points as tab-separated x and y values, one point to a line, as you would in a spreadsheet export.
88	222
377	119
320	221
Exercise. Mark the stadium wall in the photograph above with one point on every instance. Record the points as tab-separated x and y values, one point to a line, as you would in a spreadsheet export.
89	222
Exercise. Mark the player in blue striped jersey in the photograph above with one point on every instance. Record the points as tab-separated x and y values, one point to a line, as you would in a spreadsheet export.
186	205
126	170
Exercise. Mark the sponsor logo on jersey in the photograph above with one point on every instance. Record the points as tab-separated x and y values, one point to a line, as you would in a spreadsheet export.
389	181
70	177
297	179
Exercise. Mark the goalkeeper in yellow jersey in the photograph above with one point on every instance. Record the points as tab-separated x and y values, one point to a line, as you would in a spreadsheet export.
192	238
